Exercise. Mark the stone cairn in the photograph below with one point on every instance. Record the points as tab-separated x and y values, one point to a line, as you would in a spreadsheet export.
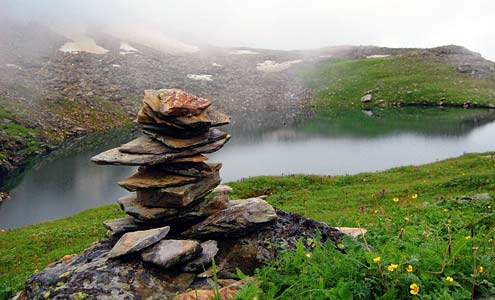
174	221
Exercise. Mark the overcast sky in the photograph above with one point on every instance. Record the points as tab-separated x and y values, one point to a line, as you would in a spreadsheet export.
285	24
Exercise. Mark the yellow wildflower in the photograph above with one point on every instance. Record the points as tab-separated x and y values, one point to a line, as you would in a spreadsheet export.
446	210
414	196
414	289
392	267
467	237
377	259
396	199
308	254
409	269
480	269
449	279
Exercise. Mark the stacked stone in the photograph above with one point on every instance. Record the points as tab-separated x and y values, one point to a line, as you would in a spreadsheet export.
172	186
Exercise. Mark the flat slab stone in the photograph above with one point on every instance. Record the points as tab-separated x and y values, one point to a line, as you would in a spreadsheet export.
169	253
199	211
238	219
116	157
209	117
173	131
191	159
123	225
209	137
181	196
151	117
146	145
132	242
154	178
131	206
191	169
208	250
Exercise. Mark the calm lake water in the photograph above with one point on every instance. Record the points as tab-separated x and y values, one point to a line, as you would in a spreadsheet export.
332	143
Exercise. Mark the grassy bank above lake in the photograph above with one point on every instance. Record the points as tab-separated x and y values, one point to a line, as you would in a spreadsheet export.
28	130
411	213
410	79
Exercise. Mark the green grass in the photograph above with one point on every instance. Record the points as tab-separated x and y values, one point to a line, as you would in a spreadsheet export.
404	80
31	248
410	231
17	132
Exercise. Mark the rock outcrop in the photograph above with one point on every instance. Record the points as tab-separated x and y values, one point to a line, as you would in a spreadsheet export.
93	276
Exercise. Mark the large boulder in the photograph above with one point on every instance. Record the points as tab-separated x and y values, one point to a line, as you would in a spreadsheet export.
241	218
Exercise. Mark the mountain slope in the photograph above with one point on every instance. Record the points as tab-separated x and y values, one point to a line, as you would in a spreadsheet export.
447	76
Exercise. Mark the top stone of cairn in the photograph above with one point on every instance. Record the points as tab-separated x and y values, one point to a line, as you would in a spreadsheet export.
176	125
174	102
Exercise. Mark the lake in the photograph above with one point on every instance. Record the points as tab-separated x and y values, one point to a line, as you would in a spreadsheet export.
334	142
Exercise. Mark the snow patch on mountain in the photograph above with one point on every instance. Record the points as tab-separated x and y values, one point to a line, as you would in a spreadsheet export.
83	44
204	77
269	66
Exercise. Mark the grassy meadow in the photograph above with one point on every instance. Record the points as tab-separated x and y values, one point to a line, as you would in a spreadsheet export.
397	81
427	237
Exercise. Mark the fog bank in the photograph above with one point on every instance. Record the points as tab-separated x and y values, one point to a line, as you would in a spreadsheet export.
278	24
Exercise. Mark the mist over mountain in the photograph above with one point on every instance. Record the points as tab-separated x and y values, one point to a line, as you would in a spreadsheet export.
275	24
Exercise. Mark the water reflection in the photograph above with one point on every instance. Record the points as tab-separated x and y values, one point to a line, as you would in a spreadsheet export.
338	142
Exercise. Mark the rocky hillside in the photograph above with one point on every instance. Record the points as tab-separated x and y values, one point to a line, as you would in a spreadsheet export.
52	88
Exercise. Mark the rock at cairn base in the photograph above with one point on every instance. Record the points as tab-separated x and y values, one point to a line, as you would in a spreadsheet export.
169	253
208	250
93	275
241	218
138	240
127	224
